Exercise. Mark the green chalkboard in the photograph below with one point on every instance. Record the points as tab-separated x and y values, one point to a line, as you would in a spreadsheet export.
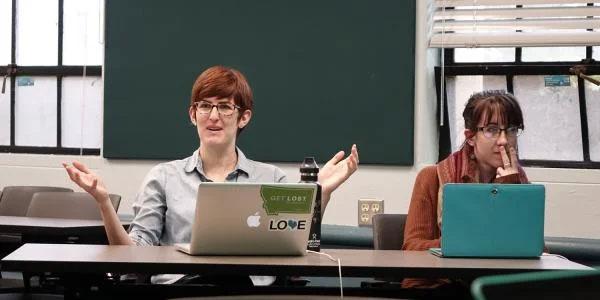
325	74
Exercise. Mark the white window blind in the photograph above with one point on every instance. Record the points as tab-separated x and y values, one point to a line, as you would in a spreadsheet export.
514	23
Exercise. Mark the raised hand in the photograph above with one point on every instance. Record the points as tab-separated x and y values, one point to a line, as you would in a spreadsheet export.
87	180
337	170
510	165
92	184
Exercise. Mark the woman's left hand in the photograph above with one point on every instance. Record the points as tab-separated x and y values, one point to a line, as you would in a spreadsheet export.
337	170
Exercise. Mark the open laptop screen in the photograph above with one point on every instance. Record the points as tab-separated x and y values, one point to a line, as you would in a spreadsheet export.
493	220
252	218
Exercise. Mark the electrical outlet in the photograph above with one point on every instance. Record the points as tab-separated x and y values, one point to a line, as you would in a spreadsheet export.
367	208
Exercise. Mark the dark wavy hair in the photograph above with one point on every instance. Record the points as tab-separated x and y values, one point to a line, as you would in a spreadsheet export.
492	103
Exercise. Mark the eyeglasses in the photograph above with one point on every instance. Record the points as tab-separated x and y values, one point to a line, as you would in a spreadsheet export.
224	109
493	131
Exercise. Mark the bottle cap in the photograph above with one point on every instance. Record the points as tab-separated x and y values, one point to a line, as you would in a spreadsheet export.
309	165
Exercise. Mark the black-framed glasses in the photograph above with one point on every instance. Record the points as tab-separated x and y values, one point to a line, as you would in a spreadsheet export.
224	109
493	131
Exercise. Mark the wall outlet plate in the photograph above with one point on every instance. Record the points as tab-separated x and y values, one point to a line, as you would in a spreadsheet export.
367	208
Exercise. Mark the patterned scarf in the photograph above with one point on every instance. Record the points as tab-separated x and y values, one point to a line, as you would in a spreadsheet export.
460	167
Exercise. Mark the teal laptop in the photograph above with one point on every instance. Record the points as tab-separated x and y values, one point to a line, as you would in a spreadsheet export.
492	220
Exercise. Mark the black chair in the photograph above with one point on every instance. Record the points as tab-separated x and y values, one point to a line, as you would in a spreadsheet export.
582	250
550	285
388	234
388	231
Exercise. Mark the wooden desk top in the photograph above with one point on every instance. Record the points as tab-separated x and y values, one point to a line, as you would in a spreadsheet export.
355	263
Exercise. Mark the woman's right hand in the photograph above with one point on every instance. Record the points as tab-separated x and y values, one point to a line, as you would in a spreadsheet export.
87	180
510	164
92	184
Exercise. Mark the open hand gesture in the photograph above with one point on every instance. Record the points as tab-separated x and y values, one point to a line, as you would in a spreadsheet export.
87	180
336	171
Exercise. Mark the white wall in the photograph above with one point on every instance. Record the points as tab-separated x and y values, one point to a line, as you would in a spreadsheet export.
572	207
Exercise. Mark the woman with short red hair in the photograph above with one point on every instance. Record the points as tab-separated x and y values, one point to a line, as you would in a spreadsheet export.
220	108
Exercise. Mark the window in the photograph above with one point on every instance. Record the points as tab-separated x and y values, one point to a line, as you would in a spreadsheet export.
5	31
459	88
527	48
551	116
560	109
592	95
51	102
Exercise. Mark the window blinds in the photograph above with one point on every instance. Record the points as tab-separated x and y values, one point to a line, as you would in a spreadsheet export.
514	23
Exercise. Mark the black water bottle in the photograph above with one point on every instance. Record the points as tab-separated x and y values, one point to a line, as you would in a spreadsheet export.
309	172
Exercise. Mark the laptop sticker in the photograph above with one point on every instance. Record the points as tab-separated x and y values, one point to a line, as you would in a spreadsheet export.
278	200
284	224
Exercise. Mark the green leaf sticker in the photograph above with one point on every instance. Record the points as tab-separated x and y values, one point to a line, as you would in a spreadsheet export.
286	200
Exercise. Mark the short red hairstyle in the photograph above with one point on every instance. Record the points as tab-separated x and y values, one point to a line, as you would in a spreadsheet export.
223	82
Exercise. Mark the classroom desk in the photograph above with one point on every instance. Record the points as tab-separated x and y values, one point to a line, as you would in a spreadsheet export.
69	258
77	262
49	226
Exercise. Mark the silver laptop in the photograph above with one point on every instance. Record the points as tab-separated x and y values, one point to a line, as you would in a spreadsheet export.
251	219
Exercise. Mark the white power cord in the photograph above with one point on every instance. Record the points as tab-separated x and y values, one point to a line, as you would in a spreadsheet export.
339	262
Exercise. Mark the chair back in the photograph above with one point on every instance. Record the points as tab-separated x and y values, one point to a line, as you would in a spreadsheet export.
573	284
15	200
115	200
388	231
74	205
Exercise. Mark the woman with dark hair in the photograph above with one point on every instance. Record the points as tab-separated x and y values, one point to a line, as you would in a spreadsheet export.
493	121
220	108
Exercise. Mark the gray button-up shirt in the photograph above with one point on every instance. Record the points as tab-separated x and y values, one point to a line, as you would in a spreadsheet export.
164	207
